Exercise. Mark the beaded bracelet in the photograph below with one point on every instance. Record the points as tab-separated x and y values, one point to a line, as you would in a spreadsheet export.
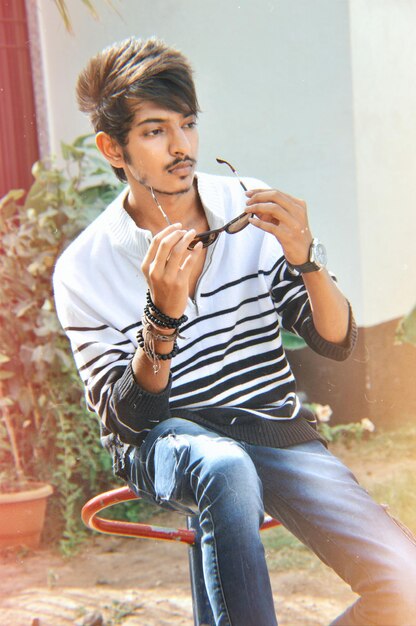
155	329
152	355
169	322
156	320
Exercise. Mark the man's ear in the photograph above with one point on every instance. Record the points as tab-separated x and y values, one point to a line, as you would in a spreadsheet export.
110	149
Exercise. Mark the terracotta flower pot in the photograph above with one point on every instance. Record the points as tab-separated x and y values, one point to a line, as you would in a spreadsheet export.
22	514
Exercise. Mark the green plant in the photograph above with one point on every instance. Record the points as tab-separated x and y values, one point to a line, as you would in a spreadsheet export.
353	431
406	330
45	431
291	341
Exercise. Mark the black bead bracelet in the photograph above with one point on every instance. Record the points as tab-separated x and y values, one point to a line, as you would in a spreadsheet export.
169	322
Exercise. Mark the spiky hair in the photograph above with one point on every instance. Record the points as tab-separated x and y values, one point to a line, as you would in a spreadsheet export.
117	79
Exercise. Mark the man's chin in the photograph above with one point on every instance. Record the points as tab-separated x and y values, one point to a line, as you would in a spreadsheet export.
180	188
178	192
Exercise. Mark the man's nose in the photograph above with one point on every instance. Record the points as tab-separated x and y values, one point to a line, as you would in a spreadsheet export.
179	143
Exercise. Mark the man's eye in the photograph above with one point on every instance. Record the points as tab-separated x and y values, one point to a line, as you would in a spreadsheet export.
191	124
153	132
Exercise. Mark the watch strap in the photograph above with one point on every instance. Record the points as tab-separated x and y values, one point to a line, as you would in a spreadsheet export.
309	266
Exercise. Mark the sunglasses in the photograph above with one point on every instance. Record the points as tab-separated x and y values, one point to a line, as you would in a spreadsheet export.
209	236
235	226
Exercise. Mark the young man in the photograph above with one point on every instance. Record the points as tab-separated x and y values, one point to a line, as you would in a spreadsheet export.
175	326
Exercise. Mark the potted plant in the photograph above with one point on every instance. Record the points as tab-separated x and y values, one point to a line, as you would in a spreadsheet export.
38	389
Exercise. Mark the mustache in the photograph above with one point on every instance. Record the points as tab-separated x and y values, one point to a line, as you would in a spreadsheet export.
186	160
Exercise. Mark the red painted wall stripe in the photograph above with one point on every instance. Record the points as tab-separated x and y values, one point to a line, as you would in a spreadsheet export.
18	132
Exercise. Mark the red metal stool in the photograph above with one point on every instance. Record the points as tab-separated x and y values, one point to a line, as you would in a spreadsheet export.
190	535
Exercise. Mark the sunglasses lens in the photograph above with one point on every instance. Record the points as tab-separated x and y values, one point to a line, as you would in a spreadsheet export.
240	223
206	238
210	236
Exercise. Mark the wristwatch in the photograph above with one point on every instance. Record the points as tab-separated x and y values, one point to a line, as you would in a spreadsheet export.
316	261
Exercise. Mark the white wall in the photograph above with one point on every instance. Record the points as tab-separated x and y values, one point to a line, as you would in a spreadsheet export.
285	92
383	46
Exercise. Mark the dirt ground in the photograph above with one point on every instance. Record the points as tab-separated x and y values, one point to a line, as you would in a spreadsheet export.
138	582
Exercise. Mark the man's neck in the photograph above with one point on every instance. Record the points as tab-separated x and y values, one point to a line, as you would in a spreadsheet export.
185	208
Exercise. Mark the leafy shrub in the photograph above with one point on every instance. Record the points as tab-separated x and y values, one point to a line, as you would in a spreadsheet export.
46	434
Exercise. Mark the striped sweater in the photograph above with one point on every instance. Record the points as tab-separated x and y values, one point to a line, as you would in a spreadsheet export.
231	373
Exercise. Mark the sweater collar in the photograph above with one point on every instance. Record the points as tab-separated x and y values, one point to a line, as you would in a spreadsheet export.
136	241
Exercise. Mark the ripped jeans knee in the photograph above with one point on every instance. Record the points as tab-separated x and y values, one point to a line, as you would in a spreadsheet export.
158	472
170	481
179	459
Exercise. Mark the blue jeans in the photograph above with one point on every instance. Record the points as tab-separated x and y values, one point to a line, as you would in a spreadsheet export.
230	484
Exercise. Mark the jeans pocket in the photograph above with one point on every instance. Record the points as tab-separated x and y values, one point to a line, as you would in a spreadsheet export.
409	534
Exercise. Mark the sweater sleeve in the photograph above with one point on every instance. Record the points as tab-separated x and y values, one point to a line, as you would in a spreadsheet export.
103	355
293	306
132	406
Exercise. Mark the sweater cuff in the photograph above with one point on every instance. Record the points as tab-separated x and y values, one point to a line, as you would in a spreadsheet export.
335	351
127	391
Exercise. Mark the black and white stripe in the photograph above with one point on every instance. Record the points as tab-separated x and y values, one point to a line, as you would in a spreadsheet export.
231	360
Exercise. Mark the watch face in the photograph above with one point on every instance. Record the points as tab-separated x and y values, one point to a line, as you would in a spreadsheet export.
319	254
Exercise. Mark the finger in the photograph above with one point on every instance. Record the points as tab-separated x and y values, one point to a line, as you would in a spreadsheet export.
155	261
179	251
274	195
171	288
270	211
158	238
166	267
191	259
267	226
154	245
167	245
251	192
282	233
290	228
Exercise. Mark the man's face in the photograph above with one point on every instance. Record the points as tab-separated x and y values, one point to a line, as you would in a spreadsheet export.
162	149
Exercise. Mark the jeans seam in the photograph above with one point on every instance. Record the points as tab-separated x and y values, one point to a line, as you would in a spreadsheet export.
217	571
399	524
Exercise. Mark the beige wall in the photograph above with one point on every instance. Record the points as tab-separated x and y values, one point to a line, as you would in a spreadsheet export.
383	47
292	92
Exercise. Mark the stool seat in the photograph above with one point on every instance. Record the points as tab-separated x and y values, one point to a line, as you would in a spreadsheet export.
192	536
104	500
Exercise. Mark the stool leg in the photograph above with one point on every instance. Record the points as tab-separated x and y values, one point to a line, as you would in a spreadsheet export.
202	609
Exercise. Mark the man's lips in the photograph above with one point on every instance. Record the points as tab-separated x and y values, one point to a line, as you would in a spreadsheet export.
181	168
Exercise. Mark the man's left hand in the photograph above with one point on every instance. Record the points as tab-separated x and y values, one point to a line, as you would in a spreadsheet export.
285	217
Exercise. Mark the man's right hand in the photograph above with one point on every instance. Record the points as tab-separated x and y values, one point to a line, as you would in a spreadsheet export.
168	267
